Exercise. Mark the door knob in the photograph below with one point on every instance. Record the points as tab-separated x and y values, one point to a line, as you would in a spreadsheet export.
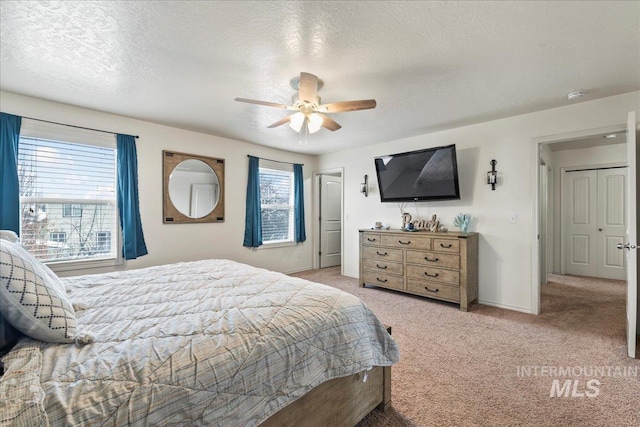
599	229
625	246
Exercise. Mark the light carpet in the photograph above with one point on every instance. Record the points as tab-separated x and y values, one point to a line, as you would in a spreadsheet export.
479	368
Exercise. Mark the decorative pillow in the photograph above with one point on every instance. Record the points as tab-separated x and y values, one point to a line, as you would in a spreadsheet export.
32	298
8	235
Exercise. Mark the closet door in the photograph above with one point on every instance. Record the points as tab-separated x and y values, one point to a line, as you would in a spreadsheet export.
611	223
594	219
580	208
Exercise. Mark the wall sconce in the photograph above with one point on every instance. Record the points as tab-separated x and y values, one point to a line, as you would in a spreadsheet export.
492	175
364	187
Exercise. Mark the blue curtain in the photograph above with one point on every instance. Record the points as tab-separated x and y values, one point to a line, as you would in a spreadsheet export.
128	202
253	214
9	184
298	203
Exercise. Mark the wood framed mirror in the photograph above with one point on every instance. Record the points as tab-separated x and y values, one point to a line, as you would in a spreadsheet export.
193	188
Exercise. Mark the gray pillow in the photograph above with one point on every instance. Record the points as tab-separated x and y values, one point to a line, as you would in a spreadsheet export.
8	235
32	298
8	336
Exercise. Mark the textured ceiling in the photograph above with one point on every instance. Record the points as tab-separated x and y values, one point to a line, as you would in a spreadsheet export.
429	65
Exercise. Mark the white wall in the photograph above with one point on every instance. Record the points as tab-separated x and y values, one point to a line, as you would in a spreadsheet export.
594	156
184	242
505	250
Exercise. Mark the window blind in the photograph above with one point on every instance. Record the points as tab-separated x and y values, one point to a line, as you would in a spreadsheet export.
68	199
276	198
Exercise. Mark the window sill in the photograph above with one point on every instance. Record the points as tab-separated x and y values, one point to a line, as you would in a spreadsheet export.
277	245
61	266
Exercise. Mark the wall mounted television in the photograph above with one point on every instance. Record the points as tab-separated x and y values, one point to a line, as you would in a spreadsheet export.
429	174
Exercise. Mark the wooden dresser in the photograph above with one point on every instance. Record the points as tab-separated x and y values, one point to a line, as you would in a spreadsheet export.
435	265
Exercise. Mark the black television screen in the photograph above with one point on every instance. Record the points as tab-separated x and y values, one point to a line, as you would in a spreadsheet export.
430	174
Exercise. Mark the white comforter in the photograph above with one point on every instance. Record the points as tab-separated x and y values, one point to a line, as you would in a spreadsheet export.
213	343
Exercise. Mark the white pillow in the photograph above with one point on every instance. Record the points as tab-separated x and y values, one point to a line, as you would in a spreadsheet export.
32	298
8	235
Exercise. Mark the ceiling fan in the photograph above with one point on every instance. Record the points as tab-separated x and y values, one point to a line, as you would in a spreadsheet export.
309	108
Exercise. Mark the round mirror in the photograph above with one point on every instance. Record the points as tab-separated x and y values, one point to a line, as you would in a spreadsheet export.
194	188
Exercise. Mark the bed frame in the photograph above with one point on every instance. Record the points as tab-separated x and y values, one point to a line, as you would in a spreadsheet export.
341	402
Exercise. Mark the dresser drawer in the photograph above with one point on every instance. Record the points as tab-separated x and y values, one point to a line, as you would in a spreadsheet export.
383	254
383	279
383	266
408	241
434	259
446	245
371	239
425	272
434	290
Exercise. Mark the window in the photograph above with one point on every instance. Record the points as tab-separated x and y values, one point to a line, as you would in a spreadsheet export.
58	237
71	210
276	197
104	241
67	194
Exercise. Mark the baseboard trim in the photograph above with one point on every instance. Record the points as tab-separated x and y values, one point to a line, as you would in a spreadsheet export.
299	270
506	306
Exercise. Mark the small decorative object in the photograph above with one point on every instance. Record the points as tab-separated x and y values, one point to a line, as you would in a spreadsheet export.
462	222
406	219
492	175
364	187
434	224
378	224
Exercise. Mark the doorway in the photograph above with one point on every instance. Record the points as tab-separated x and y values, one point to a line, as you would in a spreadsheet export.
329	190
584	148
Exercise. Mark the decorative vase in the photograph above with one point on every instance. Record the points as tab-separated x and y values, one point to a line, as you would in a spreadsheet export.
462	222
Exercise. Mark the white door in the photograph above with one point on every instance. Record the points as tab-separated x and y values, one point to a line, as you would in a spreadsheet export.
579	198
611	223
630	246
330	220
202	199
595	222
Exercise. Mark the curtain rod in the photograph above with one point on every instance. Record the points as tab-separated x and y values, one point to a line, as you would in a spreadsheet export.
74	126
277	161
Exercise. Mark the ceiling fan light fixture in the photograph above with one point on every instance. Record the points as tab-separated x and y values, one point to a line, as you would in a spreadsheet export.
314	122
297	121
309	114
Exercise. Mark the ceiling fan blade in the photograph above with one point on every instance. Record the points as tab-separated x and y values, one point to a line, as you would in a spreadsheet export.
340	107
329	123
268	104
308	87
280	122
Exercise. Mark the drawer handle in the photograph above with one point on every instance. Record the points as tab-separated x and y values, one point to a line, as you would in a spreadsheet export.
447	247
431	290
404	243
431	260
431	275
383	254
381	280
384	267
370	239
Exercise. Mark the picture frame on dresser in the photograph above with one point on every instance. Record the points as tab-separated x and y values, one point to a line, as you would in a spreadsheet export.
438	265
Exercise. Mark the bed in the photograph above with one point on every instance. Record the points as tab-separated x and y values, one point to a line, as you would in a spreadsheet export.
212	342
